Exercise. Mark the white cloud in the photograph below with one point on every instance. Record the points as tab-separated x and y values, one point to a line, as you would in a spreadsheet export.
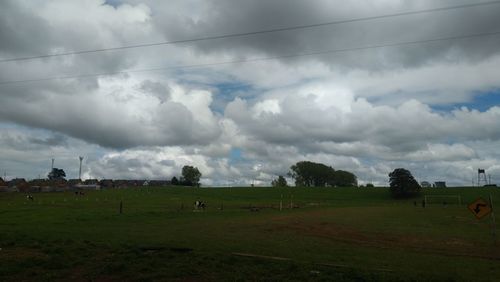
147	163
119	115
437	83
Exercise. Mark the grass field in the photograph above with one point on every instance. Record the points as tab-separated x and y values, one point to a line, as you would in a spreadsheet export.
332	234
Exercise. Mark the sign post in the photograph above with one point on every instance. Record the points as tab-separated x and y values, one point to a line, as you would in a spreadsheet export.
481	208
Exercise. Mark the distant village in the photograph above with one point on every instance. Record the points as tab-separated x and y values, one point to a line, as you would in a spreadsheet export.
56	182
60	185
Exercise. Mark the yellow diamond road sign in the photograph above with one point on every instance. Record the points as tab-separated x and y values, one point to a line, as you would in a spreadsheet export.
480	208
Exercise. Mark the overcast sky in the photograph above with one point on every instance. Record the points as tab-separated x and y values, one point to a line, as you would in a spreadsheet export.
431	107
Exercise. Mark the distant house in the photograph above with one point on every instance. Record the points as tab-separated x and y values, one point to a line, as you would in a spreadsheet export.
120	183
39	182
47	185
440	184
91	182
73	182
132	183
58	185
128	183
106	183
159	183
58	182
3	185
135	182
18	184
38	185
88	187
425	184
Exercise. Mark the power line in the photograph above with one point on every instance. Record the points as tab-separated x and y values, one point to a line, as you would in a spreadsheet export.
231	35
458	37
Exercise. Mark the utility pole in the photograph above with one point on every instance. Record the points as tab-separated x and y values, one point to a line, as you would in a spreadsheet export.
52	165
80	172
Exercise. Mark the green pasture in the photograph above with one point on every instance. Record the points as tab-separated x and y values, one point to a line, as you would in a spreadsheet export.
318	234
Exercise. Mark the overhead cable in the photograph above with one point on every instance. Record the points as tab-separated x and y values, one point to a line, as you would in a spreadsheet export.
250	33
458	37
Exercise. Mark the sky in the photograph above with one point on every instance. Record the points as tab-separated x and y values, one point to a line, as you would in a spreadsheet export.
354	95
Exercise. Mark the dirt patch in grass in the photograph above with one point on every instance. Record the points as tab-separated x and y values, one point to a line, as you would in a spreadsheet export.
350	235
21	253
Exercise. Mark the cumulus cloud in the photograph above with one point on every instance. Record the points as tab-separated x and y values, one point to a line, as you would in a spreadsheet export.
212	17
118	116
27	152
304	117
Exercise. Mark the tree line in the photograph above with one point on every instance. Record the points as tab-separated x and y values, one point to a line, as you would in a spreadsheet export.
311	174
306	174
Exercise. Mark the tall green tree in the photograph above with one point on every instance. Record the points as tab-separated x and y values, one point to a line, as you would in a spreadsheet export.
402	184
190	175
174	181
309	174
344	178
279	182
56	173
303	173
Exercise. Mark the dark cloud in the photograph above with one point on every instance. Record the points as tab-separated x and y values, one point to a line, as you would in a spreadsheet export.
22	31
38	140
227	17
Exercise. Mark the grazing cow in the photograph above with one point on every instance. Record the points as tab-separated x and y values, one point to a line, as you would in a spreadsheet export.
29	197
199	205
